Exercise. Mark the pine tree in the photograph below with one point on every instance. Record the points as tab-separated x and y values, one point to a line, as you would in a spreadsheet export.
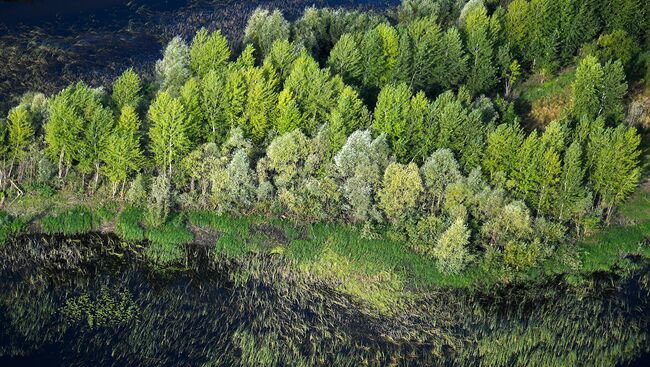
346	59
350	114
482	72
614	167
571	186
190	97
208	52
281	57
127	89
168	139
20	132
123	154
288	116
213	107
390	117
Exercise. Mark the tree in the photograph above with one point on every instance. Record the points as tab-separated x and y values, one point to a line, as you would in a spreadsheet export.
440	170
346	59
482	73
168	134
313	90
350	114
260	104
94	141
159	203
451	250
401	192
281	57
123	154
127	89
380	50
208	52
174	68
391	116
503	145
288	116
264	28
360	164
614	168
190	97
597	90
212	106
20	132
571	193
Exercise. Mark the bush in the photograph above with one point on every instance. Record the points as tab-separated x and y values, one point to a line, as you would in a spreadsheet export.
451	249
159	201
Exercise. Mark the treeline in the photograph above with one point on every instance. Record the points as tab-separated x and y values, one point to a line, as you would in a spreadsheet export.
354	117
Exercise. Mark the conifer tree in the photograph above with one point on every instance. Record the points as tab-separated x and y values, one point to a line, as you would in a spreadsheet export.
20	132
346	59
127	89
482	72
208	52
350	114
168	134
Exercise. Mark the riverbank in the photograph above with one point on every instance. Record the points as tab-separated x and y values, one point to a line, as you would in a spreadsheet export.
381	273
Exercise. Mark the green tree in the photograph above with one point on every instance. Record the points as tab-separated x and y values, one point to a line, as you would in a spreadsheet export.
572	193
264	28
390	117
401	192
614	167
173	70
482	72
20	132
451	250
288	116
168	133
208	52
599	90
346	59
440	170
350	114
190	97
379	50
360	164
123	154
94	141
313	90
281	57
212	106
127	89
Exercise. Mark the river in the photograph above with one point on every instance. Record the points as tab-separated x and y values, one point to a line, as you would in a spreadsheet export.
94	300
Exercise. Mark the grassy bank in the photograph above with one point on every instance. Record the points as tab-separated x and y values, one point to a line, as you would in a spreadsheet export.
375	269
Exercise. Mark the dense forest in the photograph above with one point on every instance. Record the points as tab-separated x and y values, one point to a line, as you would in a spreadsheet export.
406	124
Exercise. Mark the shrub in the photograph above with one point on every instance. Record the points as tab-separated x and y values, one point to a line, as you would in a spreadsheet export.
401	191
159	201
451	249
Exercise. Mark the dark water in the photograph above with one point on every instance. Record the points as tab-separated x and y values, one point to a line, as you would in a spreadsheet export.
95	301
48	44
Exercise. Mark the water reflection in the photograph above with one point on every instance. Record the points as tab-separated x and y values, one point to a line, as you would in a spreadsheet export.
95	301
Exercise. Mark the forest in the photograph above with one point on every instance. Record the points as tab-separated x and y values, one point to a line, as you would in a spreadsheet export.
408	126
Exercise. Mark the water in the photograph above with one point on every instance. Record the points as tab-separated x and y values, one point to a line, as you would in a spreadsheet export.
46	45
95	301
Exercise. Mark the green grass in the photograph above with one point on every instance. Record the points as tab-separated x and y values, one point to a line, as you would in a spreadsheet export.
70	222
128	224
532	91
166	241
10	226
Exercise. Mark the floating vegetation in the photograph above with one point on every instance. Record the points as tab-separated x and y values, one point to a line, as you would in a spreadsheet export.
119	312
109	308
